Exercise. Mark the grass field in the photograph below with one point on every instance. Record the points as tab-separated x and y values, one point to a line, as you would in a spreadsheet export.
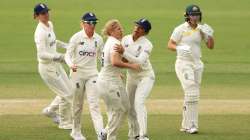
226	78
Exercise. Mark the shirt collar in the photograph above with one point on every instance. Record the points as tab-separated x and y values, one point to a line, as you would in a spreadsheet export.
85	35
140	38
186	24
44	26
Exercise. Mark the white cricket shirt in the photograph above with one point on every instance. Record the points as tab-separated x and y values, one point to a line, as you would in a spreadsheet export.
109	72
83	52
138	52
45	40
183	35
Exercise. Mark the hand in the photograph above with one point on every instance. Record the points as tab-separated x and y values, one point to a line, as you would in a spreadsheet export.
59	58
124	60
118	48
74	67
206	29
183	50
136	67
122	76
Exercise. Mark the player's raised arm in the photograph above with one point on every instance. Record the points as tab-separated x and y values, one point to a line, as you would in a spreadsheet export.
207	33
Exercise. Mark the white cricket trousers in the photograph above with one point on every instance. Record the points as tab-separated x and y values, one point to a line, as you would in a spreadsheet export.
57	80
115	97
88	87
189	74
138	90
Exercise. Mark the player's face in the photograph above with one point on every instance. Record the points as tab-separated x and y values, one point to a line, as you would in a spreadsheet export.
194	19
117	32
138	31
89	28
44	16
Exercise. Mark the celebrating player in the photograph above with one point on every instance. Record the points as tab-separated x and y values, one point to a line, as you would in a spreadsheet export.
81	57
50	68
110	84
137	49
186	40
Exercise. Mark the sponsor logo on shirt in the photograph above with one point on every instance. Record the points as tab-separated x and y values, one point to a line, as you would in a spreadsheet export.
83	53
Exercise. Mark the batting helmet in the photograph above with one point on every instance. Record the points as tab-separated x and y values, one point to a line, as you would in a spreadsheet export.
192	10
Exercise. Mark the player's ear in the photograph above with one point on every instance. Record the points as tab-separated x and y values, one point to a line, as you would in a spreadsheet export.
35	16
81	24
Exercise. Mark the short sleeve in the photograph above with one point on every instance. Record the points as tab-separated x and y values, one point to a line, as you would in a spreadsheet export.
176	35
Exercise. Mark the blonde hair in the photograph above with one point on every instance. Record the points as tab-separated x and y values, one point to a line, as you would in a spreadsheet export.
110	26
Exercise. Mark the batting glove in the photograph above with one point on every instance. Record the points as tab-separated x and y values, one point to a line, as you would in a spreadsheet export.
206	29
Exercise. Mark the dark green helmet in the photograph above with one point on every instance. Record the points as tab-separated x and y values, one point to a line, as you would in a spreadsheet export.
192	10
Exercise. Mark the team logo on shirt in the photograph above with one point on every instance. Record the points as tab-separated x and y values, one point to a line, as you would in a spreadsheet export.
82	43
49	35
139	48
52	43
126	45
96	44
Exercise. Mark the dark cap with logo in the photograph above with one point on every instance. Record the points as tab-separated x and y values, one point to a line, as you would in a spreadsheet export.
145	24
89	16
40	8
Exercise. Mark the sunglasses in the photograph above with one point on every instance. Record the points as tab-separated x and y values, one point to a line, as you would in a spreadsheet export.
44	12
90	22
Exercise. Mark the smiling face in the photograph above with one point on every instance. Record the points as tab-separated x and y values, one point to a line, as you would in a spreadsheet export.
138	31
89	28
117	31
43	16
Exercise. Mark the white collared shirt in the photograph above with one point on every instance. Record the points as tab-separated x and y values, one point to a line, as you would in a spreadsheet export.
138	52
83	52
108	71
184	34
45	40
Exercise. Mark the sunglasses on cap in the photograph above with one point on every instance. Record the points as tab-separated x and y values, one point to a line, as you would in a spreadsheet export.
90	22
44	12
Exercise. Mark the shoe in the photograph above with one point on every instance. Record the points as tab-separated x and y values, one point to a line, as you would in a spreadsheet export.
183	129
143	138
52	115
102	135
65	126
77	136
134	138
192	130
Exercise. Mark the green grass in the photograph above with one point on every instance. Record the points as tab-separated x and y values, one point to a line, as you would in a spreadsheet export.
162	127
226	75
226	67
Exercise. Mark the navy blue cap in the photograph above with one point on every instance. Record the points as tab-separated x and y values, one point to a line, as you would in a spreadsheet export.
89	17
41	7
146	25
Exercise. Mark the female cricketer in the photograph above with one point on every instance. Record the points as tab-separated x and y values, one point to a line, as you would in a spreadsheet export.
137	49
110	85
50	68
81	56
186	40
